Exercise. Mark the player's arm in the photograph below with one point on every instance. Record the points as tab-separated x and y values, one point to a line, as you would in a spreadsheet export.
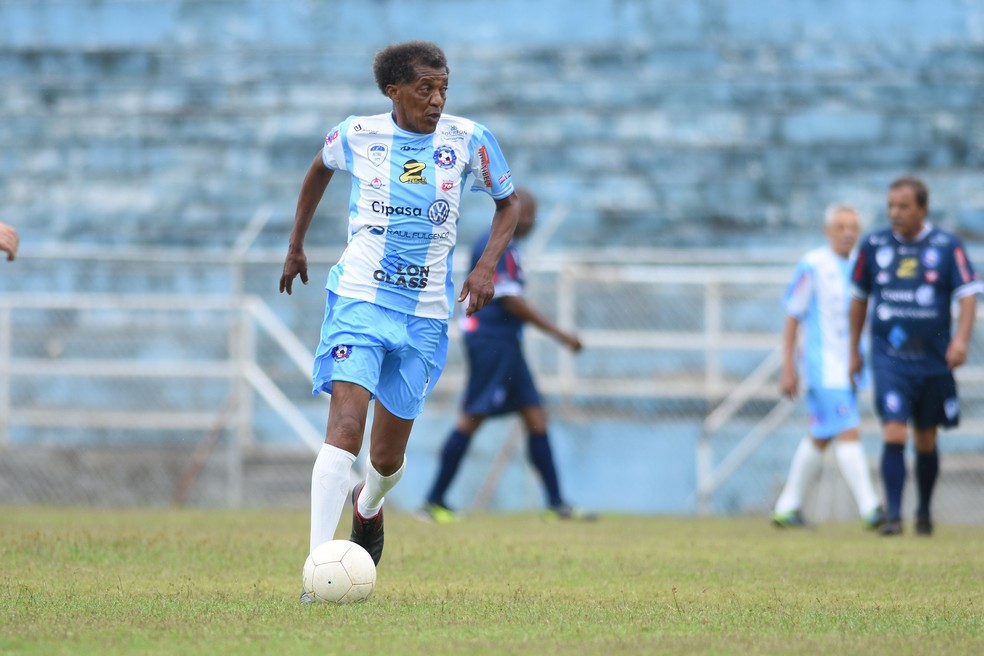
479	286
858	313
789	377
312	189
522	310
956	352
9	240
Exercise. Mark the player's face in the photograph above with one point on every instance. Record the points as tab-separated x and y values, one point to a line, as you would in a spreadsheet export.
904	212
843	231
417	105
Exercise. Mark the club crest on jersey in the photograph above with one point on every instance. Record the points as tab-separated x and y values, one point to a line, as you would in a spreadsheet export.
376	152
341	352
884	256
931	258
444	157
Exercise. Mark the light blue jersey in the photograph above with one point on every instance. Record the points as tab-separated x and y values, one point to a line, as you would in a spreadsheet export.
819	297
404	204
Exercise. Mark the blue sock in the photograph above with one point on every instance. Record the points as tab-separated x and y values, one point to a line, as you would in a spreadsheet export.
927	469
542	459
451	455
893	474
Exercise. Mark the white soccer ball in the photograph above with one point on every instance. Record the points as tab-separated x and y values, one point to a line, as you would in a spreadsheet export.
339	572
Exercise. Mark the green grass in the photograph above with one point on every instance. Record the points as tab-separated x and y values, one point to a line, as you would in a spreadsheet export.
84	581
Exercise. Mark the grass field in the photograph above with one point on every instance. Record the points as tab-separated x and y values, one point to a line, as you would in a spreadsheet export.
84	581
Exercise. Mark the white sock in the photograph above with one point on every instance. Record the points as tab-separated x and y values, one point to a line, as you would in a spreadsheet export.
854	467
802	472
373	494
329	487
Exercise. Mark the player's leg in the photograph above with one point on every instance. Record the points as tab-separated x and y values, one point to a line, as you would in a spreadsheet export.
540	453
854	468
452	453
803	472
330	476
893	396
825	422
893	472
927	471
937	406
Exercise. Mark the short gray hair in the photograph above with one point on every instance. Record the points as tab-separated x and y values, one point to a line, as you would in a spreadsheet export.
834	208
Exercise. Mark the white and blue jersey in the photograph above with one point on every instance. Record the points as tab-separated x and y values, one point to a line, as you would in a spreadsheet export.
819	297
403	207
911	285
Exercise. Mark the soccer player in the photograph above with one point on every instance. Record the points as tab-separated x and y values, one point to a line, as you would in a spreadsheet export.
912	271
9	240
499	379
391	294
818	299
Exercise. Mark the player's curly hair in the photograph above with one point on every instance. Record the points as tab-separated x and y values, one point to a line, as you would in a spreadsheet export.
394	64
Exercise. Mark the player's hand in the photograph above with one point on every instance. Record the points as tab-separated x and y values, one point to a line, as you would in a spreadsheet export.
856	364
789	382
477	292
956	353
571	341
296	263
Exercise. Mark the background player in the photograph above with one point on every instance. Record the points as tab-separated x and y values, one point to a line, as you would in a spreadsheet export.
499	379
912	271
384	335
818	299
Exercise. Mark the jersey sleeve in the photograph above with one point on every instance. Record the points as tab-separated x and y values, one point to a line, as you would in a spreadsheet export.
861	273
333	152
489	166
799	293
965	280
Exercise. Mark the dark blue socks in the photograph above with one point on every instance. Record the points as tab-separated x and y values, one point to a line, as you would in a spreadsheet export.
451	455
893	474
542	459
927	469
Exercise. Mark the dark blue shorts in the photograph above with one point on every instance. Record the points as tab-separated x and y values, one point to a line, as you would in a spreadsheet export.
926	401
499	380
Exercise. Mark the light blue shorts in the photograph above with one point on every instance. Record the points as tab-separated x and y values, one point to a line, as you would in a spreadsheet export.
397	357
832	411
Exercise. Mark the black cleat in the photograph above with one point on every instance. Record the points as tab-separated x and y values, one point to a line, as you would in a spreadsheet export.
891	527
924	525
367	533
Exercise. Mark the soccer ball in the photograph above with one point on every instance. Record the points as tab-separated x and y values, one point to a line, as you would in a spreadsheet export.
339	572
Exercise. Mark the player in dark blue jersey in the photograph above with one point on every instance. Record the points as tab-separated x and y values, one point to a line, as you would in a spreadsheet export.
912	272
499	380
